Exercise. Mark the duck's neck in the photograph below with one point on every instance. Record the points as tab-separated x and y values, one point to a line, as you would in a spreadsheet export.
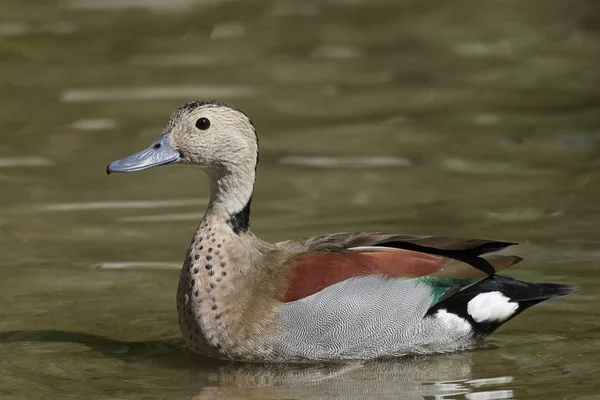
230	196
225	301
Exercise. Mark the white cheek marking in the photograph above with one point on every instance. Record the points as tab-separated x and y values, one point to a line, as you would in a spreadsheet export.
491	306
453	322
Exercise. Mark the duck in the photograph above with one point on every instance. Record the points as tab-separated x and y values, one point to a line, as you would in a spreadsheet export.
335	297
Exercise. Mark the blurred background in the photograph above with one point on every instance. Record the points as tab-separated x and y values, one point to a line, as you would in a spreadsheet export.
457	118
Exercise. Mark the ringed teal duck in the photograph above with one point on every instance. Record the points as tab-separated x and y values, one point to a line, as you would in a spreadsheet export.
332	297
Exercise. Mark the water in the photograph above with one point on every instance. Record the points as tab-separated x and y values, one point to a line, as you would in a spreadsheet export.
476	119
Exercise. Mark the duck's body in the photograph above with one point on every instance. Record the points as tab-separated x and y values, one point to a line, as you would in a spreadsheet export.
341	296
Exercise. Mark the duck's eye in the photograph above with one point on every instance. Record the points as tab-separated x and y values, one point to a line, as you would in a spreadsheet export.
203	124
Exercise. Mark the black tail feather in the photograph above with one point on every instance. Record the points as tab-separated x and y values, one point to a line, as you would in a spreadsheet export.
526	294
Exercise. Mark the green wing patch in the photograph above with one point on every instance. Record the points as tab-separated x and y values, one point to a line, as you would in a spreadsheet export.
441	286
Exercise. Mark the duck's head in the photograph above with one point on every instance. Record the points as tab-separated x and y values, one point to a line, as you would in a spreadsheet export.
211	135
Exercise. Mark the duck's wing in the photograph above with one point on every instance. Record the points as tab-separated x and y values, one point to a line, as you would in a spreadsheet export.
446	264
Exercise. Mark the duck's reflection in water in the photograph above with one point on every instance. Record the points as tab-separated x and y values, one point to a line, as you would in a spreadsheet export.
473	374
437	376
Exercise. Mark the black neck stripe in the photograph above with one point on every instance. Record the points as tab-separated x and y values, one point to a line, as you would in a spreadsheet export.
240	221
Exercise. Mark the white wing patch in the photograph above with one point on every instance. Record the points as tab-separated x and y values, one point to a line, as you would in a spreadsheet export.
491	306
452	322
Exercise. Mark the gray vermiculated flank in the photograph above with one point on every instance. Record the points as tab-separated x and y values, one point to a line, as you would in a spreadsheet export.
368	317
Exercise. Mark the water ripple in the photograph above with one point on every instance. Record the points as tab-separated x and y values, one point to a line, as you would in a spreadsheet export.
137	265
22	28
163	217
185	60
336	162
159	92
10	162
93	124
177	5
491	395
105	205
490	381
